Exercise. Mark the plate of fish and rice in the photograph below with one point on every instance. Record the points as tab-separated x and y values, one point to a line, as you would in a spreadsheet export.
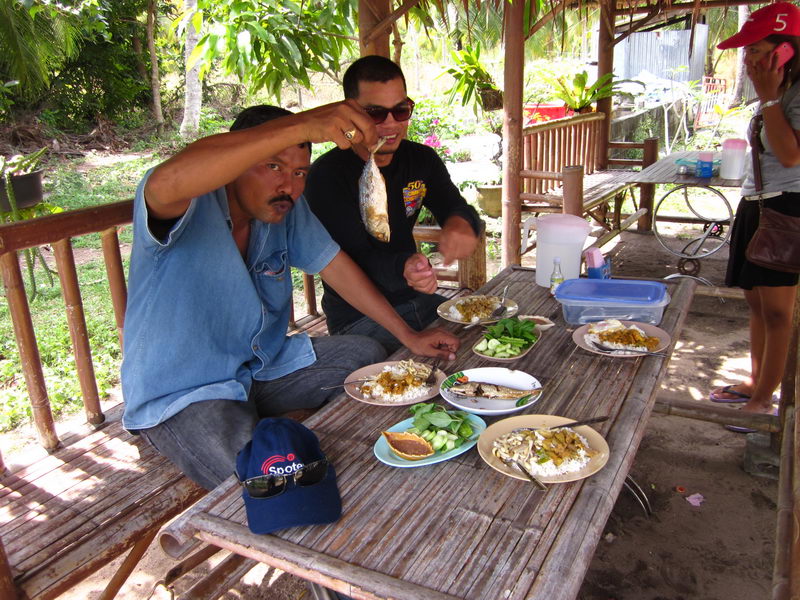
553	454
475	309
491	390
393	383
627	338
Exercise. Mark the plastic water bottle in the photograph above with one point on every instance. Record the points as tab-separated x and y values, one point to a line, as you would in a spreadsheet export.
556	278
705	165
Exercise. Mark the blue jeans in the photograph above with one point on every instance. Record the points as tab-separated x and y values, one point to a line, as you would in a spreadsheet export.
418	312
205	437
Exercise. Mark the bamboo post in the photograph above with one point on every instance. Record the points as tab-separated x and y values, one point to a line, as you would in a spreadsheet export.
310	294
116	277
513	73
605	64
129	564
28	350
647	191
371	40
573	191
783	577
76	320
472	271
8	591
790	378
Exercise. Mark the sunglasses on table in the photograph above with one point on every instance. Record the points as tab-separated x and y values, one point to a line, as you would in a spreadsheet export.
401	112
269	486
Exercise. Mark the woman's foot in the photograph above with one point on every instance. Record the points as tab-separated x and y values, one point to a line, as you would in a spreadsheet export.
738	392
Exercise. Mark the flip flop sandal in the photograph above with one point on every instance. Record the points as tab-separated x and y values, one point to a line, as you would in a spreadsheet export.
728	389
737	429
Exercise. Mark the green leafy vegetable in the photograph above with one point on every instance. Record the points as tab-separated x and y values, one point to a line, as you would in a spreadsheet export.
508	338
444	429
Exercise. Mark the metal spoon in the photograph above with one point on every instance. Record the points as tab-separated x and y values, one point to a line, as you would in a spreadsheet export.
567	424
531	477
610	350
333	387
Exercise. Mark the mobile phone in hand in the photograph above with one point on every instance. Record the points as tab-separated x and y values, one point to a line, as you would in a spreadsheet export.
783	51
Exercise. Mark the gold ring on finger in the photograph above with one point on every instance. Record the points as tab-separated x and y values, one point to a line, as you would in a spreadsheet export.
350	134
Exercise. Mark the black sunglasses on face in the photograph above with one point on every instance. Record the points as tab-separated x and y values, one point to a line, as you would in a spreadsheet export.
401	112
269	486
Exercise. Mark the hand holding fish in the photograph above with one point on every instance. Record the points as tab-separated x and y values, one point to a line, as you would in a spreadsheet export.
419	274
344	123
458	239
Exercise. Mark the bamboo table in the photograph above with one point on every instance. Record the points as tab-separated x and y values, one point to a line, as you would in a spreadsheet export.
459	529
708	208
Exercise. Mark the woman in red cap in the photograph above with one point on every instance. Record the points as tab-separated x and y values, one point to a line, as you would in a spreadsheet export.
771	40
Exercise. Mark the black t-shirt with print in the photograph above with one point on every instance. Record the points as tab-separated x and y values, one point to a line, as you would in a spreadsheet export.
415	177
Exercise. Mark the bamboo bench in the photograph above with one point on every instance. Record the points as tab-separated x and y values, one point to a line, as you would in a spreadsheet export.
96	497
559	174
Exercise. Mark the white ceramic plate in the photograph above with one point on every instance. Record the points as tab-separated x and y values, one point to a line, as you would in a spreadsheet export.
650	330
354	389
444	309
386	456
499	375
594	439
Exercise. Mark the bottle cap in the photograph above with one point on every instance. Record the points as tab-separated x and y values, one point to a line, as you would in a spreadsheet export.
557	260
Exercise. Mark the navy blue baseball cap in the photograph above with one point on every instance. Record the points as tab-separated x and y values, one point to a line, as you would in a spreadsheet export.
287	480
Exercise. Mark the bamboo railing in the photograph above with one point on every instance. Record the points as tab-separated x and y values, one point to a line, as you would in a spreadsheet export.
59	230
549	147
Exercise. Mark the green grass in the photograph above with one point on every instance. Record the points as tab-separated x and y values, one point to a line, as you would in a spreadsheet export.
71	184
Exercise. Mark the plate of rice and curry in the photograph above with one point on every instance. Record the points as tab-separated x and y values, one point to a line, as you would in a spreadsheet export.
553	454
475	309
393	383
622	338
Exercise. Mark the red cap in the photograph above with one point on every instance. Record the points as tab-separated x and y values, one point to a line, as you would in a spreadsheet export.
781	17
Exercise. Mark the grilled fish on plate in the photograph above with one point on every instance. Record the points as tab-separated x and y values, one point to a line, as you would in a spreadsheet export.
480	389
372	199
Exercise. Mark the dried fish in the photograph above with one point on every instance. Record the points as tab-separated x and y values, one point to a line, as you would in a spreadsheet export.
372	198
479	389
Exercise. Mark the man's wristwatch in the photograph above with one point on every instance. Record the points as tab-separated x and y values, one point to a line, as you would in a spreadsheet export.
769	103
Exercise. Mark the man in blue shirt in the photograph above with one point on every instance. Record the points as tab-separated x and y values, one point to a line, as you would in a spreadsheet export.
216	229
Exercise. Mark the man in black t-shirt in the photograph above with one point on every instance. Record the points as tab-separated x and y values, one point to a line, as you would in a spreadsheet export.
415	176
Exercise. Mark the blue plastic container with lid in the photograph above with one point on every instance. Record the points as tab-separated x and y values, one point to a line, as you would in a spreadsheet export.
589	300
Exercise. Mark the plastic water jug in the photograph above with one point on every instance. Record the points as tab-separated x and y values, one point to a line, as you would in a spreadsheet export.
734	151
560	236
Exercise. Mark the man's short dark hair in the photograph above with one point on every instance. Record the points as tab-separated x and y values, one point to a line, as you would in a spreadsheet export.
261	113
370	68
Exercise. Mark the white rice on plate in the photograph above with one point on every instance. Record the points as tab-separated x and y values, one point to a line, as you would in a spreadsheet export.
473	308
545	453
397	383
616	335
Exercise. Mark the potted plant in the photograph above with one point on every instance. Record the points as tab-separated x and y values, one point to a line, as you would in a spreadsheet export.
21	198
578	96
20	181
473	80
490	197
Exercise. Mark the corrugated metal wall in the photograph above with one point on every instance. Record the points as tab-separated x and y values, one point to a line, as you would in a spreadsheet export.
662	53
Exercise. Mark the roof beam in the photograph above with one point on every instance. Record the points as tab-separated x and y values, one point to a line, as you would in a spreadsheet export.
682	7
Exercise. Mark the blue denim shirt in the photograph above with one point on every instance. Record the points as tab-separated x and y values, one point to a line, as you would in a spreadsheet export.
201	322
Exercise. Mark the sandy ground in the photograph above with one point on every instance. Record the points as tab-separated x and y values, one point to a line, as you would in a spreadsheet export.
722	549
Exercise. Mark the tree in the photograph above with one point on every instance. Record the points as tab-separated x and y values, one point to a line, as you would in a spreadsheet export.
193	97
34	43
269	43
